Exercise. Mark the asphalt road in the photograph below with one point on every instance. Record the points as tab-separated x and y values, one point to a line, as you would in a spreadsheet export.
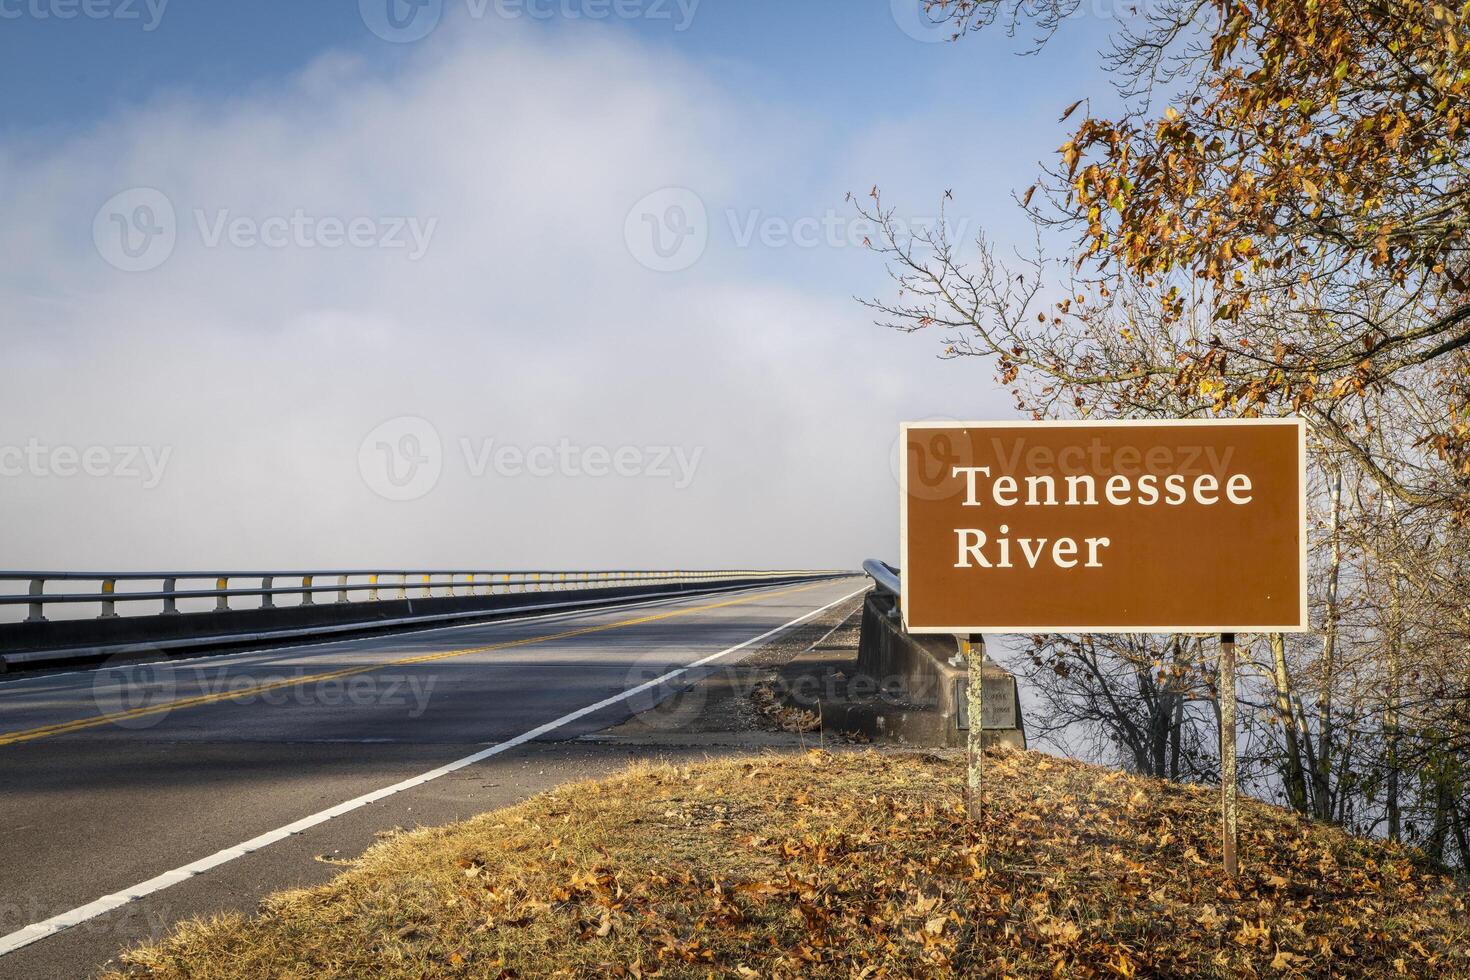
136	795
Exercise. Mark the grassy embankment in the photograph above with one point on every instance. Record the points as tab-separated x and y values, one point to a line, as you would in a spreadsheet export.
854	865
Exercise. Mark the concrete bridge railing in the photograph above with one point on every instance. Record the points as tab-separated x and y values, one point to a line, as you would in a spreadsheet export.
924	679
163	611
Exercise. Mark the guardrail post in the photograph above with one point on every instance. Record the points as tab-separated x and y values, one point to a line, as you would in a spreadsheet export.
307	596
170	601
109	605
428	588
267	600
34	607
223	603
373	592
341	590
403	586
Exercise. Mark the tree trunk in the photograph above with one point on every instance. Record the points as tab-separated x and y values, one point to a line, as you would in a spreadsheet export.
1322	772
1177	723
1391	717
1462	838
1434	847
1294	777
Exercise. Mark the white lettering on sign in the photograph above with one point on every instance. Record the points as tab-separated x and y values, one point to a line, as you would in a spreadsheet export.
1076	490
1119	490
1063	552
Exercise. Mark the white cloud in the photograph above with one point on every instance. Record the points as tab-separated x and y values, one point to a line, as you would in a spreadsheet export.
526	321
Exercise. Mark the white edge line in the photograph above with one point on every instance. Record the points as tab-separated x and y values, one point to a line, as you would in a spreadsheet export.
66	920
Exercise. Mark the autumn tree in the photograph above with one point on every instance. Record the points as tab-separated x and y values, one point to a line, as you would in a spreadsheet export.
1290	178
1273	222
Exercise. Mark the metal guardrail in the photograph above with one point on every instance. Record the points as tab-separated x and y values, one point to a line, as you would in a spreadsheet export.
401	583
884	576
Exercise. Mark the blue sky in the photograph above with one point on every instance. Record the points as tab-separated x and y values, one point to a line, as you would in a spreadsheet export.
258	243
850	58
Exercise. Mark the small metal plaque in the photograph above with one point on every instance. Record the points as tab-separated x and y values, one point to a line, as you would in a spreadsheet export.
1000	702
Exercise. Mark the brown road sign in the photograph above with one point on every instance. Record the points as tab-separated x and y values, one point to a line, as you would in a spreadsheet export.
1104	527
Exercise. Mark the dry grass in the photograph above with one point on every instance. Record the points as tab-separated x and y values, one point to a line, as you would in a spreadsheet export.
852	865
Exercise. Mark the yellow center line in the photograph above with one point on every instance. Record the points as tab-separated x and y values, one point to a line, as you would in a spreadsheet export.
62	728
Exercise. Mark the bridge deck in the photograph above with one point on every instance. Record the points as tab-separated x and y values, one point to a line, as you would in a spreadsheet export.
113	777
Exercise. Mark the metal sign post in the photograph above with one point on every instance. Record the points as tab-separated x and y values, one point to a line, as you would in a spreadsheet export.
973	647
1227	751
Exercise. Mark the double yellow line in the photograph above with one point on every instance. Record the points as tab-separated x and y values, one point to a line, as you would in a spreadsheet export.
65	727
